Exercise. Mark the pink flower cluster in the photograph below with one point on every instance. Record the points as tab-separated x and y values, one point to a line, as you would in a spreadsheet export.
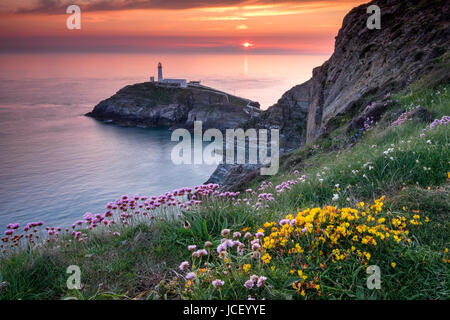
254	279
445	120
13	236
405	116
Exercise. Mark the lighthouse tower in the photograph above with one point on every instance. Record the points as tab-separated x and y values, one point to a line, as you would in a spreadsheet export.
160	75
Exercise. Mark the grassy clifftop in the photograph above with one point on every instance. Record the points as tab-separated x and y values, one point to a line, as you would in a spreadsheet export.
374	195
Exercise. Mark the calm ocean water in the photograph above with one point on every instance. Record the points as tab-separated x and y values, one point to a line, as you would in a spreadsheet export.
56	164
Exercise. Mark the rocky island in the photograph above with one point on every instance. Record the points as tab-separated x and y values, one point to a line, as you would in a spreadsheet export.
151	104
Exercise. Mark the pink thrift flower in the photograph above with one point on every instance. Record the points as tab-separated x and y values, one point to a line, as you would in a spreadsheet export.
217	283
249	284
184	265
190	276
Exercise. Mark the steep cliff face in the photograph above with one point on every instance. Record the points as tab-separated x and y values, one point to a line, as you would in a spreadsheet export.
368	64
147	104
289	115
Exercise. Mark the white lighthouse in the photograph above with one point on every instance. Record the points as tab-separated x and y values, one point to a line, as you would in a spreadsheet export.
160	75
172	82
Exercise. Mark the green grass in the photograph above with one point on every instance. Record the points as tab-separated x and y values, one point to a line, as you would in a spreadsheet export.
143	261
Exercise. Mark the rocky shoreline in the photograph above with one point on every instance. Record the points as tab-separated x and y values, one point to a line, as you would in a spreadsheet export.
150	105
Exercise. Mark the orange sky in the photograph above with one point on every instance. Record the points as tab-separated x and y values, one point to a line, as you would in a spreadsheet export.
307	26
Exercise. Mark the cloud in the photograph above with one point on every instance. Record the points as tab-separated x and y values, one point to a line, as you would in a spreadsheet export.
59	6
226	18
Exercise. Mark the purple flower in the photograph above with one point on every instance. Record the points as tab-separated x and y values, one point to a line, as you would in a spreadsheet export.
261	281
249	284
190	276
254	278
184	265
217	283
259	235
199	253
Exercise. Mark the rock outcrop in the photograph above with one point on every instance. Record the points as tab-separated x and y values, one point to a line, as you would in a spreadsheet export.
367	64
150	105
289	115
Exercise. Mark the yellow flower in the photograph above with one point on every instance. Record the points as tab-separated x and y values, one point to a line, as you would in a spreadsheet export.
446	250
301	275
247	267
393	264
266	258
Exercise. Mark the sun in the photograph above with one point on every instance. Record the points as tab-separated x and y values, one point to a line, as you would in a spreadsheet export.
247	44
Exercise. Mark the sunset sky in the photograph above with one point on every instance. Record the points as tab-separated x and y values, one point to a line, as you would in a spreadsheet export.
303	26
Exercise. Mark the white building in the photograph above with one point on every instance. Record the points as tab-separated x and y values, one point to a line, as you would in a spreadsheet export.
177	82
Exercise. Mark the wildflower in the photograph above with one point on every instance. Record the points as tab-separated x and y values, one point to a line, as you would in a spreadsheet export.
249	284
225	233
200	253
335	197
266	258
393	264
190	276
117	234
208	244
217	283
261	281
192	247
259	235
247	267
184	265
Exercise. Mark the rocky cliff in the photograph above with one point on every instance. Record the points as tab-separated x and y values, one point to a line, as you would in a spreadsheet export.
367	64
412	47
150	105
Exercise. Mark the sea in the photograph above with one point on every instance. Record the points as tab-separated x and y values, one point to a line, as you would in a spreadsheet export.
56	164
